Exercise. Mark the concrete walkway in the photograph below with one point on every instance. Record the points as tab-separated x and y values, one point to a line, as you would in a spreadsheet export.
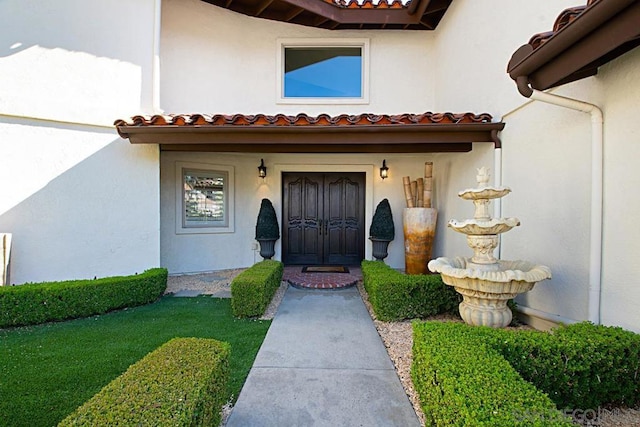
322	363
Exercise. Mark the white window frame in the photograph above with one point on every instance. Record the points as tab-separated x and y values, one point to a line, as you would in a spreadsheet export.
322	42
229	198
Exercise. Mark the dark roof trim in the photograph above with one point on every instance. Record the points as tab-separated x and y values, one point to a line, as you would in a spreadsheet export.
365	133
416	15
586	39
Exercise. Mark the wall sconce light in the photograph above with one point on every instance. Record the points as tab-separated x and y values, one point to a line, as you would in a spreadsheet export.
384	170
262	169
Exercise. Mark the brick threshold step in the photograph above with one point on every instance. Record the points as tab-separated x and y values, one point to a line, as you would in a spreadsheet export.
321	280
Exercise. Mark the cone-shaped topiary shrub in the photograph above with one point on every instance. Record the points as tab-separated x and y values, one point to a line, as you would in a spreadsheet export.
382	227
267	225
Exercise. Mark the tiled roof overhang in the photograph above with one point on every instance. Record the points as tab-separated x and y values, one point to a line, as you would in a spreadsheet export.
363	133
583	39
343	15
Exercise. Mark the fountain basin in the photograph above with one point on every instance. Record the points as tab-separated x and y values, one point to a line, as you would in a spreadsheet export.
485	293
484	193
483	228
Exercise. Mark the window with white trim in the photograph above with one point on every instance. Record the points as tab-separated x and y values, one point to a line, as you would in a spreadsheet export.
323	71
204	198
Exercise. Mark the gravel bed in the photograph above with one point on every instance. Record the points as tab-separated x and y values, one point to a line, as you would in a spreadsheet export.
209	283
218	283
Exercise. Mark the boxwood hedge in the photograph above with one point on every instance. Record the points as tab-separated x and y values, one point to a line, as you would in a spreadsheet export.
253	289
181	383
35	303
396	296
463	381
579	367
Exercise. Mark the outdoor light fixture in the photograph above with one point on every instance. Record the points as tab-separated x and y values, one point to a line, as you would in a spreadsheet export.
262	169
384	170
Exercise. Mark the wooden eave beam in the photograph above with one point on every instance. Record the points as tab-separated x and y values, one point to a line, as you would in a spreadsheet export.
420	7
295	12
434	147
262	6
357	138
356	16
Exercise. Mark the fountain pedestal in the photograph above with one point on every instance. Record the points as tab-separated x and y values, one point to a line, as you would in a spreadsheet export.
485	282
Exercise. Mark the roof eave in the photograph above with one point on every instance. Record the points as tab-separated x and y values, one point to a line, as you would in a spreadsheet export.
604	31
417	15
434	137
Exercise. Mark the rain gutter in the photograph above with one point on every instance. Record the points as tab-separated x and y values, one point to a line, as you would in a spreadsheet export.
604	30
595	246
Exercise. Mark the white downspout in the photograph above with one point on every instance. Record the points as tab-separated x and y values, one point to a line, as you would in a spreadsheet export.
595	251
497	207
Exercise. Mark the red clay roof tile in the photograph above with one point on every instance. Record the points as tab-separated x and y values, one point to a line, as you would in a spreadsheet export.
303	119
565	18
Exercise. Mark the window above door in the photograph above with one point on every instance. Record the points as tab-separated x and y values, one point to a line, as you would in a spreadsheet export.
323	71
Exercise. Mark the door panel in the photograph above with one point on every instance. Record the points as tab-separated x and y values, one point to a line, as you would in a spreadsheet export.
323	216
301	218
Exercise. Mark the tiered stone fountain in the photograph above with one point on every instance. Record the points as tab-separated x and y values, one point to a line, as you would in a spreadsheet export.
485	282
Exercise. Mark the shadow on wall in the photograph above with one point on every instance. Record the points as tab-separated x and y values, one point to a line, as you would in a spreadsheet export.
31	26
98	218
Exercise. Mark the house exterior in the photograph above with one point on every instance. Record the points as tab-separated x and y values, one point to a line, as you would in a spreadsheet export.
83	198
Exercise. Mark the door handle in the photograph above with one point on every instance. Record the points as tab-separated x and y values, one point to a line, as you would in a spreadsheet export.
326	225
320	228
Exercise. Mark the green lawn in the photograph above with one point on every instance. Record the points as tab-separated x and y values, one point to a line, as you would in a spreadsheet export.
47	371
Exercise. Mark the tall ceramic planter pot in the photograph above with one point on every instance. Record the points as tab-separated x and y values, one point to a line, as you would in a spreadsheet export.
379	248
419	226
267	248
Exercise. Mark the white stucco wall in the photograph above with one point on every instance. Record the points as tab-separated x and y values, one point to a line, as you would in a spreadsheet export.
183	253
473	44
79	201
217	61
547	158
76	61
621	243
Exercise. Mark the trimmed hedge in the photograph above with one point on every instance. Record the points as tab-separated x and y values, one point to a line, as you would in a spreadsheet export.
397	296
579	366
463	381
181	383
35	303
253	289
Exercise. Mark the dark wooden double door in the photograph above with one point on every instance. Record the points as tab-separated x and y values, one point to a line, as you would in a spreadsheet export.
323	218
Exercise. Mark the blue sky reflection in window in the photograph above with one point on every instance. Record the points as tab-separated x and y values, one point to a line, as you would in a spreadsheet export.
323	72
